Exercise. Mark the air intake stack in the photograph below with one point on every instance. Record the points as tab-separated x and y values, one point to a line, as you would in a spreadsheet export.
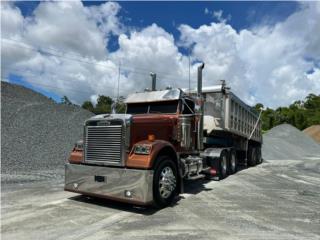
200	97
153	77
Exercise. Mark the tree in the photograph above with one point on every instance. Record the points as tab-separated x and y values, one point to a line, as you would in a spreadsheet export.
103	105
65	100
88	105
258	107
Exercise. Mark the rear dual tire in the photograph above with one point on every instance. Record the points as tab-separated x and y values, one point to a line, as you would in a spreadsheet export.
254	156
227	163
233	162
259	156
223	165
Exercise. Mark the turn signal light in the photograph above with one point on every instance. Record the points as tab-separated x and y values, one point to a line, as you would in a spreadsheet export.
151	137
213	171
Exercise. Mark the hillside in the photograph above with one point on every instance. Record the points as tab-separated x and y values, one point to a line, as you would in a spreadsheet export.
314	132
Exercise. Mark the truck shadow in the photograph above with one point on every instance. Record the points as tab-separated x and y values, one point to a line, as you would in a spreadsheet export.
197	186
102	202
190	187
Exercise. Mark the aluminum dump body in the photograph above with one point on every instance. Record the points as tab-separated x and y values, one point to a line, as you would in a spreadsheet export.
224	111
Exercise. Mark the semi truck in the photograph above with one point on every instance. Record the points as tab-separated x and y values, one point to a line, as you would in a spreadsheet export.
165	137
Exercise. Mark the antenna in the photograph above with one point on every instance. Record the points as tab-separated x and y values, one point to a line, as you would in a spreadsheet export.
189	72
119	72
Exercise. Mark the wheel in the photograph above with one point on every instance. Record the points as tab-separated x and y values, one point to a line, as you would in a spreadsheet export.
223	165
252	157
164	182
258	155
233	163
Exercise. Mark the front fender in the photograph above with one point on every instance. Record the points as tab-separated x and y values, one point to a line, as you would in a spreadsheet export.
146	161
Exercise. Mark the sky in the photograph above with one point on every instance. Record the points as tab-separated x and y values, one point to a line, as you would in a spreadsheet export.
268	52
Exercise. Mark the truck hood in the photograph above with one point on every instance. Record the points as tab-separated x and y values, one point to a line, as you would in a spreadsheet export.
135	118
110	116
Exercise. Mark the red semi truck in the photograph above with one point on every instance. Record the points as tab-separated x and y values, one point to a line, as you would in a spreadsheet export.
166	136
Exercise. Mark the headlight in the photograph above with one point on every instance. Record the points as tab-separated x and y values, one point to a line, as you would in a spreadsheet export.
78	145
142	149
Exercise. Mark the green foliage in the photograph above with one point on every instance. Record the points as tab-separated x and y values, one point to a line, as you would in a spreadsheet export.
88	105
120	105
300	114
104	105
65	100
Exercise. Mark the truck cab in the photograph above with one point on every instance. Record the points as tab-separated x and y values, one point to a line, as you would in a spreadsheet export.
135	148
165	136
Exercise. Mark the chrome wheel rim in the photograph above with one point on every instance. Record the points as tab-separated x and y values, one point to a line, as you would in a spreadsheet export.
224	165
233	162
167	182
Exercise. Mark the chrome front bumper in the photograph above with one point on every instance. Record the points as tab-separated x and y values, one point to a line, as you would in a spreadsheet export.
128	185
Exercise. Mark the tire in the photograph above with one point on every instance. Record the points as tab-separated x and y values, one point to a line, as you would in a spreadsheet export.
165	182
233	163
252	157
223	165
258	155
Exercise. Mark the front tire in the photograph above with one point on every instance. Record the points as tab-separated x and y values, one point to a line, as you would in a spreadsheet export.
165	181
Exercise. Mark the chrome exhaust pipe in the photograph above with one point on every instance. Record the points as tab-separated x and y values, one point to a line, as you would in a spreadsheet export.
153	78
200	98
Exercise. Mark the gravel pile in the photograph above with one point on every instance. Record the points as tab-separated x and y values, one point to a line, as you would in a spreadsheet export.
37	134
314	132
285	142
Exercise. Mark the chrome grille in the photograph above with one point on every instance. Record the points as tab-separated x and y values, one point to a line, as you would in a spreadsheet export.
104	144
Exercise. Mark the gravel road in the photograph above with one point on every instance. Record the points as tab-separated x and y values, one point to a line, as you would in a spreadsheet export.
278	199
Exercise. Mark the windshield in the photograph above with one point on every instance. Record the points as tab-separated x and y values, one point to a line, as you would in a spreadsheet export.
152	107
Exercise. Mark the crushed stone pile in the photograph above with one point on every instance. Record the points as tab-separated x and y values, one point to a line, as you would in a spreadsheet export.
314	132
285	142
36	133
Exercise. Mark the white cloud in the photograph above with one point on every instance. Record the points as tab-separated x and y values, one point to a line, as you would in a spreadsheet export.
267	64
66	29
12	20
65	26
151	50
217	15
105	16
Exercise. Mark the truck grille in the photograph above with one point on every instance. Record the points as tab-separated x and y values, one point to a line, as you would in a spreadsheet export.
104	144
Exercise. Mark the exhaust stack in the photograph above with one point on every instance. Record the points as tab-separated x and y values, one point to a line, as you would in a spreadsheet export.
200	97
153	77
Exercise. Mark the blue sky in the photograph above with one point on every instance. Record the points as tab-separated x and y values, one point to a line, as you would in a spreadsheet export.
185	22
169	15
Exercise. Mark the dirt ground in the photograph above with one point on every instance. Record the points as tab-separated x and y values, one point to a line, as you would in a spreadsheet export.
275	200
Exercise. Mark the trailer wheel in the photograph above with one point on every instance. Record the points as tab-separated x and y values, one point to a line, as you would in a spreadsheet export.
165	181
258	153
223	165
233	163
252	157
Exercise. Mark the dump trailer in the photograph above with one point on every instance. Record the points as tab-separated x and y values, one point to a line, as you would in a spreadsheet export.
165	137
